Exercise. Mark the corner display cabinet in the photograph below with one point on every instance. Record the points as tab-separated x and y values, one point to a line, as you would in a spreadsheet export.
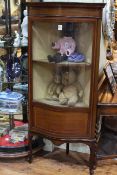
64	47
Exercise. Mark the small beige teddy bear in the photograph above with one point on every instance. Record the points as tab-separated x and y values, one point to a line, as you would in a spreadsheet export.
71	91
54	87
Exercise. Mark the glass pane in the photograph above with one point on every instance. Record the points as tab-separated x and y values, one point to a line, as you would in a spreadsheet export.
62	57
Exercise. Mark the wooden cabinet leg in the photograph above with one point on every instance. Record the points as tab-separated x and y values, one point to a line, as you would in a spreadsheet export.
93	157
91	172
30	148
67	148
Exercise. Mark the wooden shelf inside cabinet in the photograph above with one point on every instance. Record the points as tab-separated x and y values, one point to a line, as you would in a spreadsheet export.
64	63
55	104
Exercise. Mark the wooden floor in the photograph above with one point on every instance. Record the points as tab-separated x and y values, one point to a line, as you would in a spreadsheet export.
57	163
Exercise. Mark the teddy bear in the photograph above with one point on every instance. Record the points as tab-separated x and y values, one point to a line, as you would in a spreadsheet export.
54	87
72	90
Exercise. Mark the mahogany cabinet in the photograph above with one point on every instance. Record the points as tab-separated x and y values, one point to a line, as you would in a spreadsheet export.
64	49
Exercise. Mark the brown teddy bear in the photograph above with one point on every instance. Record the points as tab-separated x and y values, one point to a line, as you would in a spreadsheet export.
71	91
55	87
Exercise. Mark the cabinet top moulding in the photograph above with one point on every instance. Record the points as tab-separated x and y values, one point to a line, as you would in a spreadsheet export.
73	9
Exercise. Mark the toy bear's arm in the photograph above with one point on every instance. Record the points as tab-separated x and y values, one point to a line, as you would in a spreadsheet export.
59	89
80	90
51	89
62	99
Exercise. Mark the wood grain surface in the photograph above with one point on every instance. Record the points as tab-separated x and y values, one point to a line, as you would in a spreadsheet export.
56	163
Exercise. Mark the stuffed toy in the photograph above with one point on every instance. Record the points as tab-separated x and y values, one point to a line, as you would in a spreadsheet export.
71	91
54	87
57	58
76	57
65	46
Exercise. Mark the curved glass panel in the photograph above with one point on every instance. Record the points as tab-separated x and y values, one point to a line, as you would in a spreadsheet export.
62	59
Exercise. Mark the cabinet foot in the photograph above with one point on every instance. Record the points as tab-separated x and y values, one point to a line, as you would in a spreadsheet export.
91	172
67	148
93	157
30	149
30	159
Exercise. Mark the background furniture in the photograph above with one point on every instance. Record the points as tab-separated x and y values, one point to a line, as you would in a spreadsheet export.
107	113
14	124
